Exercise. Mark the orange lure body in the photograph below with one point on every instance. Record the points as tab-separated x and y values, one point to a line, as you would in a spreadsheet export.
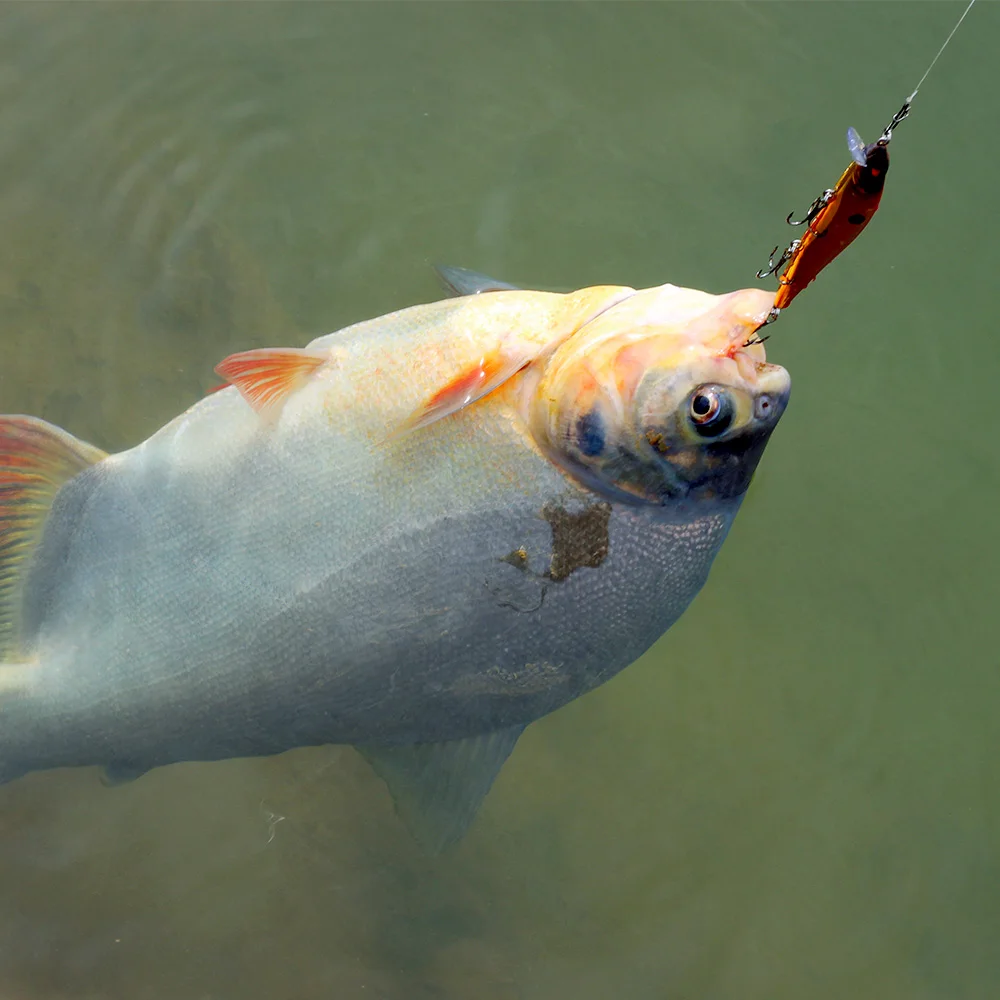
835	220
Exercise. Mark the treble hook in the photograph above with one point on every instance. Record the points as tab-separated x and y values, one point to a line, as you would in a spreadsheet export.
773	266
814	209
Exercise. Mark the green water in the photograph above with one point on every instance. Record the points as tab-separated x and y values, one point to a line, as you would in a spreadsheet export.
795	793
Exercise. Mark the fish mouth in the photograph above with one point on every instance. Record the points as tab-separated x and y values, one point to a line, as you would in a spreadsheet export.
769	384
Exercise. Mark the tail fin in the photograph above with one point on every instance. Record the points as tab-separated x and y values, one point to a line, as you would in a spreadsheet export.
36	458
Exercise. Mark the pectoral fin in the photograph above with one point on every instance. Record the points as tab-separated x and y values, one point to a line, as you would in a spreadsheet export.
478	380
438	787
503	352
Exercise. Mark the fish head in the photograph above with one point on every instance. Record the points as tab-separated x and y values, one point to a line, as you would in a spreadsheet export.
666	398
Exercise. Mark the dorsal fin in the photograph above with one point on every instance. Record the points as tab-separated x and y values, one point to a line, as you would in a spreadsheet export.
462	281
36	458
267	376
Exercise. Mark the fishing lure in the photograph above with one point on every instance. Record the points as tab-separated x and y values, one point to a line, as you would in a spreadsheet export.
838	216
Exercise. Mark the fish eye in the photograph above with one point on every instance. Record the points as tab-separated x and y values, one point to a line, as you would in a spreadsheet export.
711	410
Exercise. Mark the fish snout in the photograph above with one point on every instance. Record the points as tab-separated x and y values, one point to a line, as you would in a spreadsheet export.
771	389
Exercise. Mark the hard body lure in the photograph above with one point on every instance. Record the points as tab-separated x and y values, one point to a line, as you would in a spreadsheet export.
838	216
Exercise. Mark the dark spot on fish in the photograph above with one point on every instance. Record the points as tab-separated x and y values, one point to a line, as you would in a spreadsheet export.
590	433
856	219
577	539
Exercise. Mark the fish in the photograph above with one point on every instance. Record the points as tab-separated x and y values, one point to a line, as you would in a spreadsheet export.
416	535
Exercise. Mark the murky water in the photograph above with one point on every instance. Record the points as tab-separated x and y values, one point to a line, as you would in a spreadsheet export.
795	793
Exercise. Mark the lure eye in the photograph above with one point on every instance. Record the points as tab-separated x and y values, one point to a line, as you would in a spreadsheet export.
711	411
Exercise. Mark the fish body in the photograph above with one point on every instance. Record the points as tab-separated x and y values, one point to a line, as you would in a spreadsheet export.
442	525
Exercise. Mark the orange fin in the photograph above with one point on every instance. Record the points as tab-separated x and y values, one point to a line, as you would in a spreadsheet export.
36	458
490	372
269	375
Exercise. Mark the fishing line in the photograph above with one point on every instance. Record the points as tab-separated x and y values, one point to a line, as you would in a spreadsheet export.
904	111
940	50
